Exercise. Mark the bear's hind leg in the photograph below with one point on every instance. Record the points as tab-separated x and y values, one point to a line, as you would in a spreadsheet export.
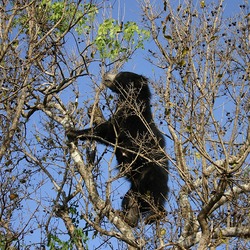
131	210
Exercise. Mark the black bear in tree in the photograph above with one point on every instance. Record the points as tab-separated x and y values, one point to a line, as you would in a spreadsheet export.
139	147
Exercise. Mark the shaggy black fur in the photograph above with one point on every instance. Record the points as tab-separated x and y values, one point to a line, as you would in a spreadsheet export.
139	147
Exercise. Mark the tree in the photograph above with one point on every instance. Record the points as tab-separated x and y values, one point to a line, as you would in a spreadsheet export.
205	96
52	56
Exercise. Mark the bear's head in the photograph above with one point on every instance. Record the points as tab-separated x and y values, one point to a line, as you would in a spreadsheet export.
127	84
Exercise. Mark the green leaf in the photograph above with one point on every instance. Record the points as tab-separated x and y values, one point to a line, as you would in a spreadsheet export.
114	39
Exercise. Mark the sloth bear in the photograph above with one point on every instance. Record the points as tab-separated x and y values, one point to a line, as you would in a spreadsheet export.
139	147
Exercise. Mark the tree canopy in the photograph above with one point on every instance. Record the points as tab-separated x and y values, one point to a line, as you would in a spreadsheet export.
57	194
